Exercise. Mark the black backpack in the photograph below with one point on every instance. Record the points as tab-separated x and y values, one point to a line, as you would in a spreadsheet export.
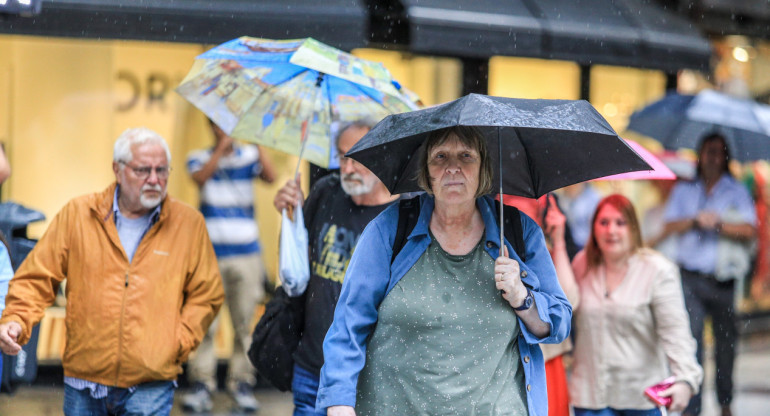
409	212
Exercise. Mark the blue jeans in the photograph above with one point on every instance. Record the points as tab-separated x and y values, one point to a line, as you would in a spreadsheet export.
608	411
304	386
153	398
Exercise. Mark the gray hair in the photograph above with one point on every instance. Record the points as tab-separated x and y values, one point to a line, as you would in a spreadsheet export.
136	136
362	123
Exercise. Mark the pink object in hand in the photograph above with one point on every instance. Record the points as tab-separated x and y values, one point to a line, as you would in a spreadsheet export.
653	392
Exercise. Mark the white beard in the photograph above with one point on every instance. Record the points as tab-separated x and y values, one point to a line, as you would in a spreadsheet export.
355	185
151	202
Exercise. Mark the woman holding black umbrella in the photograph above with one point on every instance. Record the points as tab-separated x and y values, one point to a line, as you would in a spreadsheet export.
450	325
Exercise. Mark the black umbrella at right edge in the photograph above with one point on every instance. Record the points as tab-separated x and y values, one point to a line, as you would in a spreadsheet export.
542	145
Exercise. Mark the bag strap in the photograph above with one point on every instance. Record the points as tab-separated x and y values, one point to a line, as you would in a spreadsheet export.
512	228
409	212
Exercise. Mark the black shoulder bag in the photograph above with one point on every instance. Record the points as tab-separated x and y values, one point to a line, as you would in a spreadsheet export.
276	337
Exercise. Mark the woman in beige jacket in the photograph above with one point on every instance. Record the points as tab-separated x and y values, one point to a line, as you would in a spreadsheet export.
632	329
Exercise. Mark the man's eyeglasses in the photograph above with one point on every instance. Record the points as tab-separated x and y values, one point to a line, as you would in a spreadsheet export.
144	172
344	160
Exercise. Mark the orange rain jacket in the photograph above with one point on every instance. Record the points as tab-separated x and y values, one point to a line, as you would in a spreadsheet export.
127	323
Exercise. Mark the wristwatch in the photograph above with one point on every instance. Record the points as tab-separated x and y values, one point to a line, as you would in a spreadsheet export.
528	302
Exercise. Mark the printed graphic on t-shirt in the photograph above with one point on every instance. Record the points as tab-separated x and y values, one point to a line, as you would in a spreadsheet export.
337	244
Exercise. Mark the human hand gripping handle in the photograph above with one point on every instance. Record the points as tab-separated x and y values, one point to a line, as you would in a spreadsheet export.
340	411
507	279
9	335
289	196
680	393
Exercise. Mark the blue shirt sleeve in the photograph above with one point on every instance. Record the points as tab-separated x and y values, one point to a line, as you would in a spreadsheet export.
745	205
553	307
674	210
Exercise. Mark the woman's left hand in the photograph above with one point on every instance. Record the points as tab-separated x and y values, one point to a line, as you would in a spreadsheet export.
680	393
508	281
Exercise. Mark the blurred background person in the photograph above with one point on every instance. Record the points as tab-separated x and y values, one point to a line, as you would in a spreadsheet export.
714	206
631	326
225	175
579	202
337	209
654	232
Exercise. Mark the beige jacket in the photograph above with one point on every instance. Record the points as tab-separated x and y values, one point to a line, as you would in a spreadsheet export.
127	323
627	341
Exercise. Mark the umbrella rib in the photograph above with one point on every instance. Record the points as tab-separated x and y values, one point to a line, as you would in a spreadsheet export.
528	161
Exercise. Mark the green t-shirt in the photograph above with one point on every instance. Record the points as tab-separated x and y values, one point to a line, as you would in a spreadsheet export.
445	343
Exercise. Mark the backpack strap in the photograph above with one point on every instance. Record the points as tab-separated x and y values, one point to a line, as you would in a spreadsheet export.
408	213
512	228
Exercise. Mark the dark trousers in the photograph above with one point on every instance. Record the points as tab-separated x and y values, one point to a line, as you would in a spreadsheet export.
706	296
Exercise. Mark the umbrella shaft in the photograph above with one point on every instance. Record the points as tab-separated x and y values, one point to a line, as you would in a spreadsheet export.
306	129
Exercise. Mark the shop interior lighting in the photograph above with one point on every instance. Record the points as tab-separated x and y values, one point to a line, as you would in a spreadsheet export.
740	54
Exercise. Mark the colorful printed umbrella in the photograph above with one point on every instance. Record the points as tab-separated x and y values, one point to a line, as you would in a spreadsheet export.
290	94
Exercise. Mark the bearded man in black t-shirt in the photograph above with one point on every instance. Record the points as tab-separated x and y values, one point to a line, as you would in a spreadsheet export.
336	211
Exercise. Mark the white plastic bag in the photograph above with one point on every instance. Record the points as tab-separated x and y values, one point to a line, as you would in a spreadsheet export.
294	267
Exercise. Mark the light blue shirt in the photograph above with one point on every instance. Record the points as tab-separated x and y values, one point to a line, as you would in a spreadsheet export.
580	212
370	277
6	273
698	248
130	232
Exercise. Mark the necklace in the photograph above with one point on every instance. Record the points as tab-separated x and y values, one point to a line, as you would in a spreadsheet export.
619	274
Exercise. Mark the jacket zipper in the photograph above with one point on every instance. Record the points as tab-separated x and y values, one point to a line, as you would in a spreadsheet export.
120	329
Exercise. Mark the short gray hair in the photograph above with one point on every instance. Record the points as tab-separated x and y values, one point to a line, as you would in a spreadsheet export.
135	136
362	123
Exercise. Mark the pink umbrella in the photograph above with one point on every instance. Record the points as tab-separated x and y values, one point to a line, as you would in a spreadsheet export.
659	169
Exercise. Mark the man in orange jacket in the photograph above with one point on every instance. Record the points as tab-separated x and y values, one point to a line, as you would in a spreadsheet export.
142	286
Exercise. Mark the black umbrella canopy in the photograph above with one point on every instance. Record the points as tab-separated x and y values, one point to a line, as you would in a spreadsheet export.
546	144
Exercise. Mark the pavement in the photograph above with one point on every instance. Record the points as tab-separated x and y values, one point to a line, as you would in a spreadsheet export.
751	397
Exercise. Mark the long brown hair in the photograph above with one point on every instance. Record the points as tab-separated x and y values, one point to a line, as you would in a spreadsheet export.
626	209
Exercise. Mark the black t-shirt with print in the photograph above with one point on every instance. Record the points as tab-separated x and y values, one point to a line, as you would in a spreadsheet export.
334	224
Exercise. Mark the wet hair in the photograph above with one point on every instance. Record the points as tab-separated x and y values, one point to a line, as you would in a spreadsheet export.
122	152
362	123
626	209
469	136
711	137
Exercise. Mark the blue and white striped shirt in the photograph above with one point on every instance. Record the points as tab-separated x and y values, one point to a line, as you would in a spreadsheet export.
227	200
